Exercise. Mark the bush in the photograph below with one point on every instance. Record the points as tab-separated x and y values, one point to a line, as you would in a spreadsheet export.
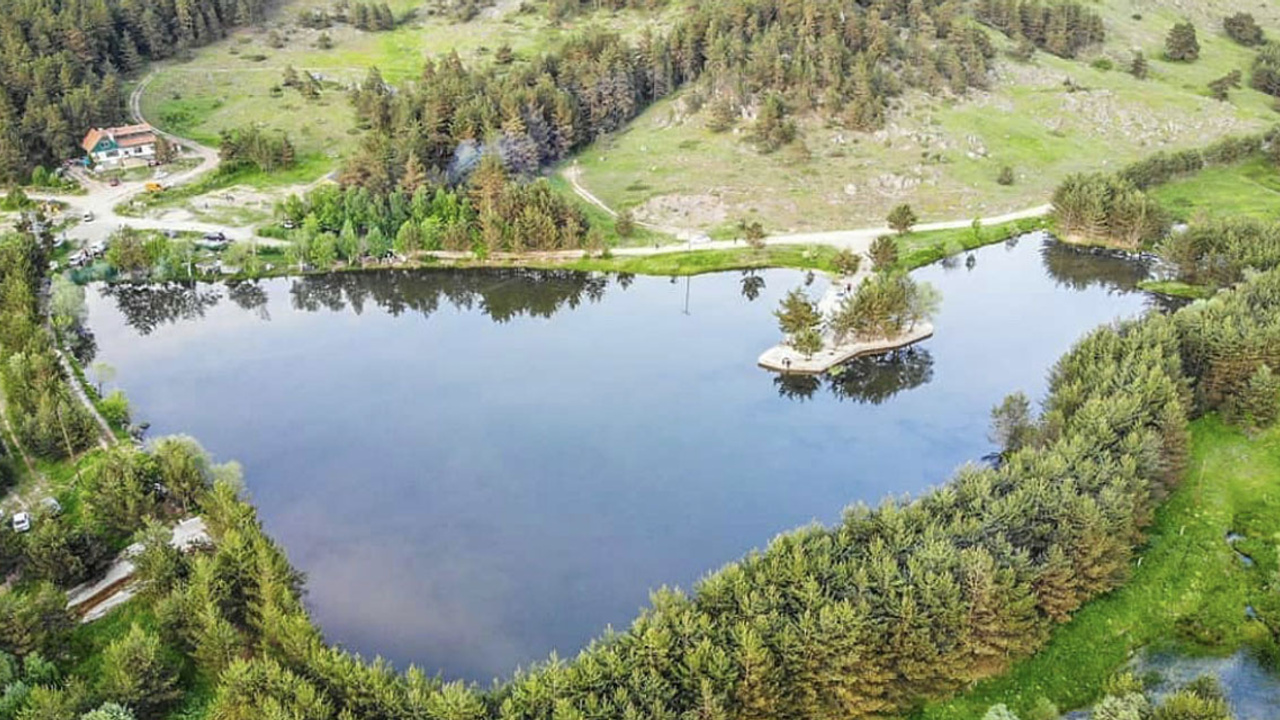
1006	176
1138	66
884	253
115	409
846	262
1242	28
1181	44
902	218
625	224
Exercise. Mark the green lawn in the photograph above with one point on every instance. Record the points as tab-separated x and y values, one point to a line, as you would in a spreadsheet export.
670	168
1249	189
1188	593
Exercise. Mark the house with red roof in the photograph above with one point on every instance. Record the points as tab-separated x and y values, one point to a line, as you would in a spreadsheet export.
109	146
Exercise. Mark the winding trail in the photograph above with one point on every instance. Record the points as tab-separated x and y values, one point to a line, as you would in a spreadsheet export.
858	240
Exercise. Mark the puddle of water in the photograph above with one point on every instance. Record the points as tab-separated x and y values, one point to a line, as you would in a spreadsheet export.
1252	690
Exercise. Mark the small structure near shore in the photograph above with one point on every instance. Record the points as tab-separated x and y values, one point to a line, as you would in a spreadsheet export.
93	600
786	359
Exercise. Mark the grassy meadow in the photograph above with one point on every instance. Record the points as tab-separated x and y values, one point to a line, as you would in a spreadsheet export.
943	155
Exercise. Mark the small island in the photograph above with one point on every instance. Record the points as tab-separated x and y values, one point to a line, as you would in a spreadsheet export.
861	313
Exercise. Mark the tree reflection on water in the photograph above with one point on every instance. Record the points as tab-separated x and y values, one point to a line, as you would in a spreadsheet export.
866	380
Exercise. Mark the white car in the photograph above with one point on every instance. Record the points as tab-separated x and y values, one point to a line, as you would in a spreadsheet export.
87	217
22	522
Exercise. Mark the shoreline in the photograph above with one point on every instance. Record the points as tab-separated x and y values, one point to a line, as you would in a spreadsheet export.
784	359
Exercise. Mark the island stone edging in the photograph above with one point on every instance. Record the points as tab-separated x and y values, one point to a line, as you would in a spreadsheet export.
784	358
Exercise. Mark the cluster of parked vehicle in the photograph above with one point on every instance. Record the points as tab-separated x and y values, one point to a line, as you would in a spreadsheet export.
85	256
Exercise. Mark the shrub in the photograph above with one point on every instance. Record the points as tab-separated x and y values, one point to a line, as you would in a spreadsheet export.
625	224
1242	28
1138	66
902	218
115	409
1181	44
846	261
1006	176
884	253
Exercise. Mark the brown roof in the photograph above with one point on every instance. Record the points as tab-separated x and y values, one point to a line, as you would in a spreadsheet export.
136	139
91	139
124	136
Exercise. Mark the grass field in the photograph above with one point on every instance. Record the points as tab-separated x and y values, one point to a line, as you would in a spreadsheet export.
673	170
1250	189
1188	593
229	84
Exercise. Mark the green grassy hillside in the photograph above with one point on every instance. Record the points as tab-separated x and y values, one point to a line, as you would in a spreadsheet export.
943	155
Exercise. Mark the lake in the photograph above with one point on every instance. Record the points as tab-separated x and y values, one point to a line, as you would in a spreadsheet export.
478	468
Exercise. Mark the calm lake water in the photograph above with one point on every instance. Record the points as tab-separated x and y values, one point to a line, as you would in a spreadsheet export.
478	468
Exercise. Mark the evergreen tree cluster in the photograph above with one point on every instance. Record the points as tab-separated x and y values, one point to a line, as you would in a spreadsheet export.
1114	208
844	59
1182	44
558	10
885	305
493	213
1219	252
1111	208
61	60
254	146
45	416
1061	28
367	16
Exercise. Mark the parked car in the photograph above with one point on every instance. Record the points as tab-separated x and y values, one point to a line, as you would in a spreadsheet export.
52	506
78	259
98	249
154	187
288	224
114	182
87	217
22	522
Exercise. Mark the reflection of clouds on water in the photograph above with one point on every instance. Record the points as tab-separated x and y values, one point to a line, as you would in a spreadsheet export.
475	468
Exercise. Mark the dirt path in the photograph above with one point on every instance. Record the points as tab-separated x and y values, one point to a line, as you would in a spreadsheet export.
105	437
858	240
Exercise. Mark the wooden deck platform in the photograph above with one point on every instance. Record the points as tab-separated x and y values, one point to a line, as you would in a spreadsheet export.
785	359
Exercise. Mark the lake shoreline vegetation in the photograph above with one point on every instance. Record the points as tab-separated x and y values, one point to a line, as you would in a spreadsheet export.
984	595
744	638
